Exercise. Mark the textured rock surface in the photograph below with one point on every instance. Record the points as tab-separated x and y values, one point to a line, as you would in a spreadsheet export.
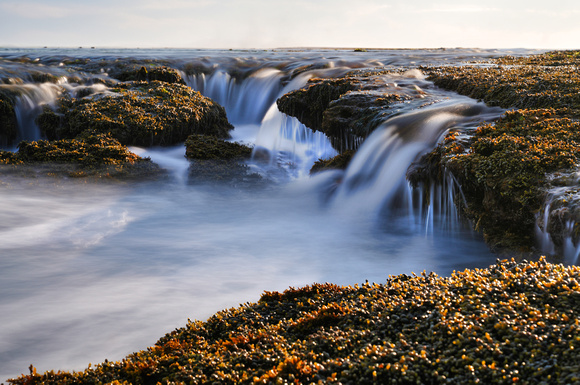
509	323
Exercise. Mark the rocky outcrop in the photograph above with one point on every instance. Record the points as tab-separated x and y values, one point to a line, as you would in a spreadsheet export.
499	325
346	109
508	169
138	113
91	154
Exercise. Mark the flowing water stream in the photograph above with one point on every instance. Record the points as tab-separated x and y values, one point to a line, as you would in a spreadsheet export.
90	271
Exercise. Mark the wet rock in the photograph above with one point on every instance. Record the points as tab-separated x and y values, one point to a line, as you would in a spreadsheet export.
8	123
209	147
163	74
509	323
139	113
308	104
505	169
91	154
339	162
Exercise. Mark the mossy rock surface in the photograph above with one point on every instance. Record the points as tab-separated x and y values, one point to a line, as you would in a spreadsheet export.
309	103
162	73
339	162
509	323
345	109
141	114
210	147
88	155
542	81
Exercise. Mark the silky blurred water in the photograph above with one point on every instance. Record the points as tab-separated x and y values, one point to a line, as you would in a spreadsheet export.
94	270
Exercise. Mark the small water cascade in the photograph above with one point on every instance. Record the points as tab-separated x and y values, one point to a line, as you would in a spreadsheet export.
29	104
557	223
375	180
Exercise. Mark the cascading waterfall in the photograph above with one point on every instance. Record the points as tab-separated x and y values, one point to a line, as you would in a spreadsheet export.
375	180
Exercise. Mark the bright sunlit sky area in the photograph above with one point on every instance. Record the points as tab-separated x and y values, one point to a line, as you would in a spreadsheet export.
297	23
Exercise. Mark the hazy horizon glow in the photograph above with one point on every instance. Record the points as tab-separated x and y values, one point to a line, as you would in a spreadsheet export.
300	23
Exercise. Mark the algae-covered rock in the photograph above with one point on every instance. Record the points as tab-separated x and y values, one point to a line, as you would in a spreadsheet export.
8	123
163	74
308	104
509	323
141	114
505	168
88	155
214	160
339	162
210	147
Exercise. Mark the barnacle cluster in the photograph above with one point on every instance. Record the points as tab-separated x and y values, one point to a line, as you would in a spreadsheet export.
509	323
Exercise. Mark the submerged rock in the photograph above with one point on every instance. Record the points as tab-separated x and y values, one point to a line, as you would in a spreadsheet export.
509	323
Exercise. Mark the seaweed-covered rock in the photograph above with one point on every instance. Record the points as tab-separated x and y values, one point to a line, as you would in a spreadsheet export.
308	104
339	162
505	169
349	108
142	114
209	147
89	155
163	74
509	323
216	160
502	170
350	119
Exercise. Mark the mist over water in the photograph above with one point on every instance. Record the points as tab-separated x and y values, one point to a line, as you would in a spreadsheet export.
91	270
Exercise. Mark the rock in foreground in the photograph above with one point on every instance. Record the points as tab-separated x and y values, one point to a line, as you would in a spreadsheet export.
509	323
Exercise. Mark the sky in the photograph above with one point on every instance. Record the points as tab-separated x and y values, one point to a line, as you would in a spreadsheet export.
291	23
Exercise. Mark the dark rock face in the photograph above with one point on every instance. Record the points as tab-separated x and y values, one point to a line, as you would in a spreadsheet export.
8	124
346	109
139	113
339	162
163	74
209	147
308	104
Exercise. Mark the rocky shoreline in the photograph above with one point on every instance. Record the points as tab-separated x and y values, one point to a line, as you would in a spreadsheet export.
509	323
512	322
